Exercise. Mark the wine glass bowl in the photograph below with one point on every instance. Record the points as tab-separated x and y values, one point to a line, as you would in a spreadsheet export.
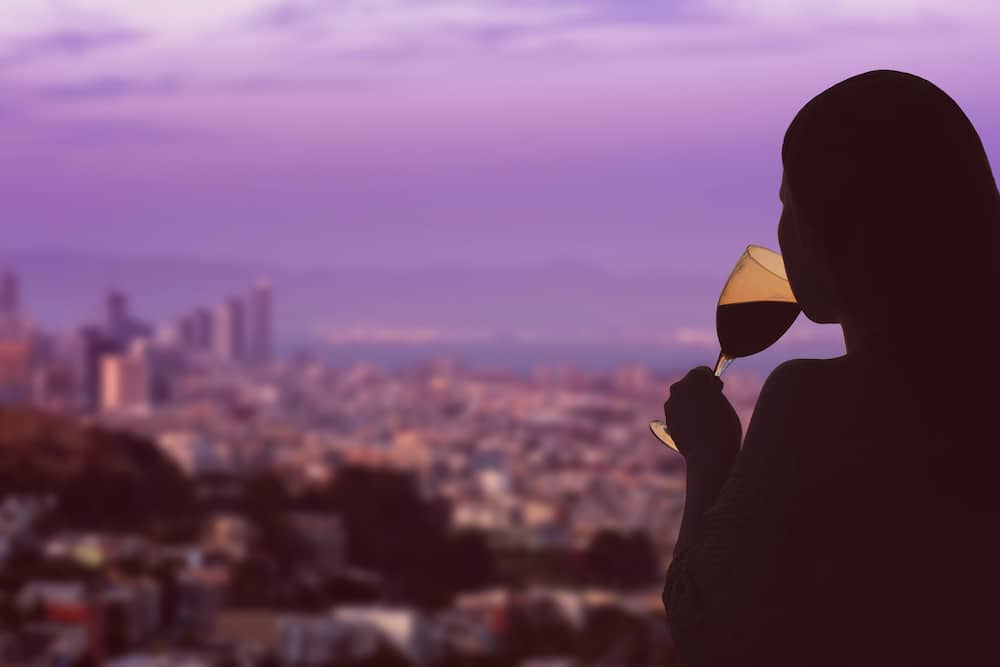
755	309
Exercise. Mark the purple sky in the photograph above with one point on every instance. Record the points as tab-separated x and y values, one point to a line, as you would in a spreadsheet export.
503	132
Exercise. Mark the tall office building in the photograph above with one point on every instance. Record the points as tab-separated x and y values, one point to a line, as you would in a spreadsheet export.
261	322
202	329
185	329
55	386
13	326
9	294
15	371
126	380
119	324
94	344
237	311
229	331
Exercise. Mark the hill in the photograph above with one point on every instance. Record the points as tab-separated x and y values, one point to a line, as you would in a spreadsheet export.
102	479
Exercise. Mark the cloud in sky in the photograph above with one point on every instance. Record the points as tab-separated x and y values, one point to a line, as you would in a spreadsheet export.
600	129
108	88
401	53
309	34
855	11
365	57
64	42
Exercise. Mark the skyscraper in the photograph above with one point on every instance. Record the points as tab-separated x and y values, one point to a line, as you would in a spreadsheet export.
12	325
229	330
261	319
15	371
119	324
55	386
94	344
237	312
126	380
186	330
203	335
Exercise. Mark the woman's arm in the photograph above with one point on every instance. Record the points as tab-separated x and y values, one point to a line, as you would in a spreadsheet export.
707	432
704	484
731	582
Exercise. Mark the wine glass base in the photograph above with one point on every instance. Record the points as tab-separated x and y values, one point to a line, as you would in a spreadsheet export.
659	429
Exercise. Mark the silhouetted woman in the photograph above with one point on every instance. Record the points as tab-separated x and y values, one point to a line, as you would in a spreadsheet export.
853	525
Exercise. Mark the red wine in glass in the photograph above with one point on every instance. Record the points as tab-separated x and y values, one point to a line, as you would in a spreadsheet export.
748	328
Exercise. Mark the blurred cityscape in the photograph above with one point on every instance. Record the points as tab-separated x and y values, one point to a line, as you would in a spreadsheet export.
493	234
178	494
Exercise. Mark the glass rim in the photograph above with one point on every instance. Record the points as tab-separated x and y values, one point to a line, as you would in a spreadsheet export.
752	251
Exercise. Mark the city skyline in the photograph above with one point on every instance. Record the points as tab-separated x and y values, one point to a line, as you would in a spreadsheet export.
119	362
574	314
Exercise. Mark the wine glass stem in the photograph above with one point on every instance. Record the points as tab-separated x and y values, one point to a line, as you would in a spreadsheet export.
722	364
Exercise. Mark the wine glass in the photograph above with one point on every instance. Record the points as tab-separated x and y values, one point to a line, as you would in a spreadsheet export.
755	309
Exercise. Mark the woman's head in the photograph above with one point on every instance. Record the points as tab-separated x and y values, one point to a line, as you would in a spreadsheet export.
891	210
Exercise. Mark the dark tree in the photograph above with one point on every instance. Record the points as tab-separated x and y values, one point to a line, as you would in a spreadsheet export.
396	531
614	637
538	629
624	561
103	479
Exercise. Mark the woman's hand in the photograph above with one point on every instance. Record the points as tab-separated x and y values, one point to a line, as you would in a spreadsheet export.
701	420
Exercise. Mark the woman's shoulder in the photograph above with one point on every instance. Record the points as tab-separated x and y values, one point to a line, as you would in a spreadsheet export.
803	382
799	369
802	400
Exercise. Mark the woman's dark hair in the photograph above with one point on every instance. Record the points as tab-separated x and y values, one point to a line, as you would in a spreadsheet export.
892	179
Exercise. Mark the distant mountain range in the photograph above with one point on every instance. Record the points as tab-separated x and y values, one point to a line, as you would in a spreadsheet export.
554	300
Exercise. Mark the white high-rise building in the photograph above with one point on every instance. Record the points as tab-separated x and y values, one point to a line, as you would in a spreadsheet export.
261	322
228	331
126	380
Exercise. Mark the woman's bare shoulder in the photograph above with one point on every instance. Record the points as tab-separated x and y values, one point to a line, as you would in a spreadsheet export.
800	398
804	379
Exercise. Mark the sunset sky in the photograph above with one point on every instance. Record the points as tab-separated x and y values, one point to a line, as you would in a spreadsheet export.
377	132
